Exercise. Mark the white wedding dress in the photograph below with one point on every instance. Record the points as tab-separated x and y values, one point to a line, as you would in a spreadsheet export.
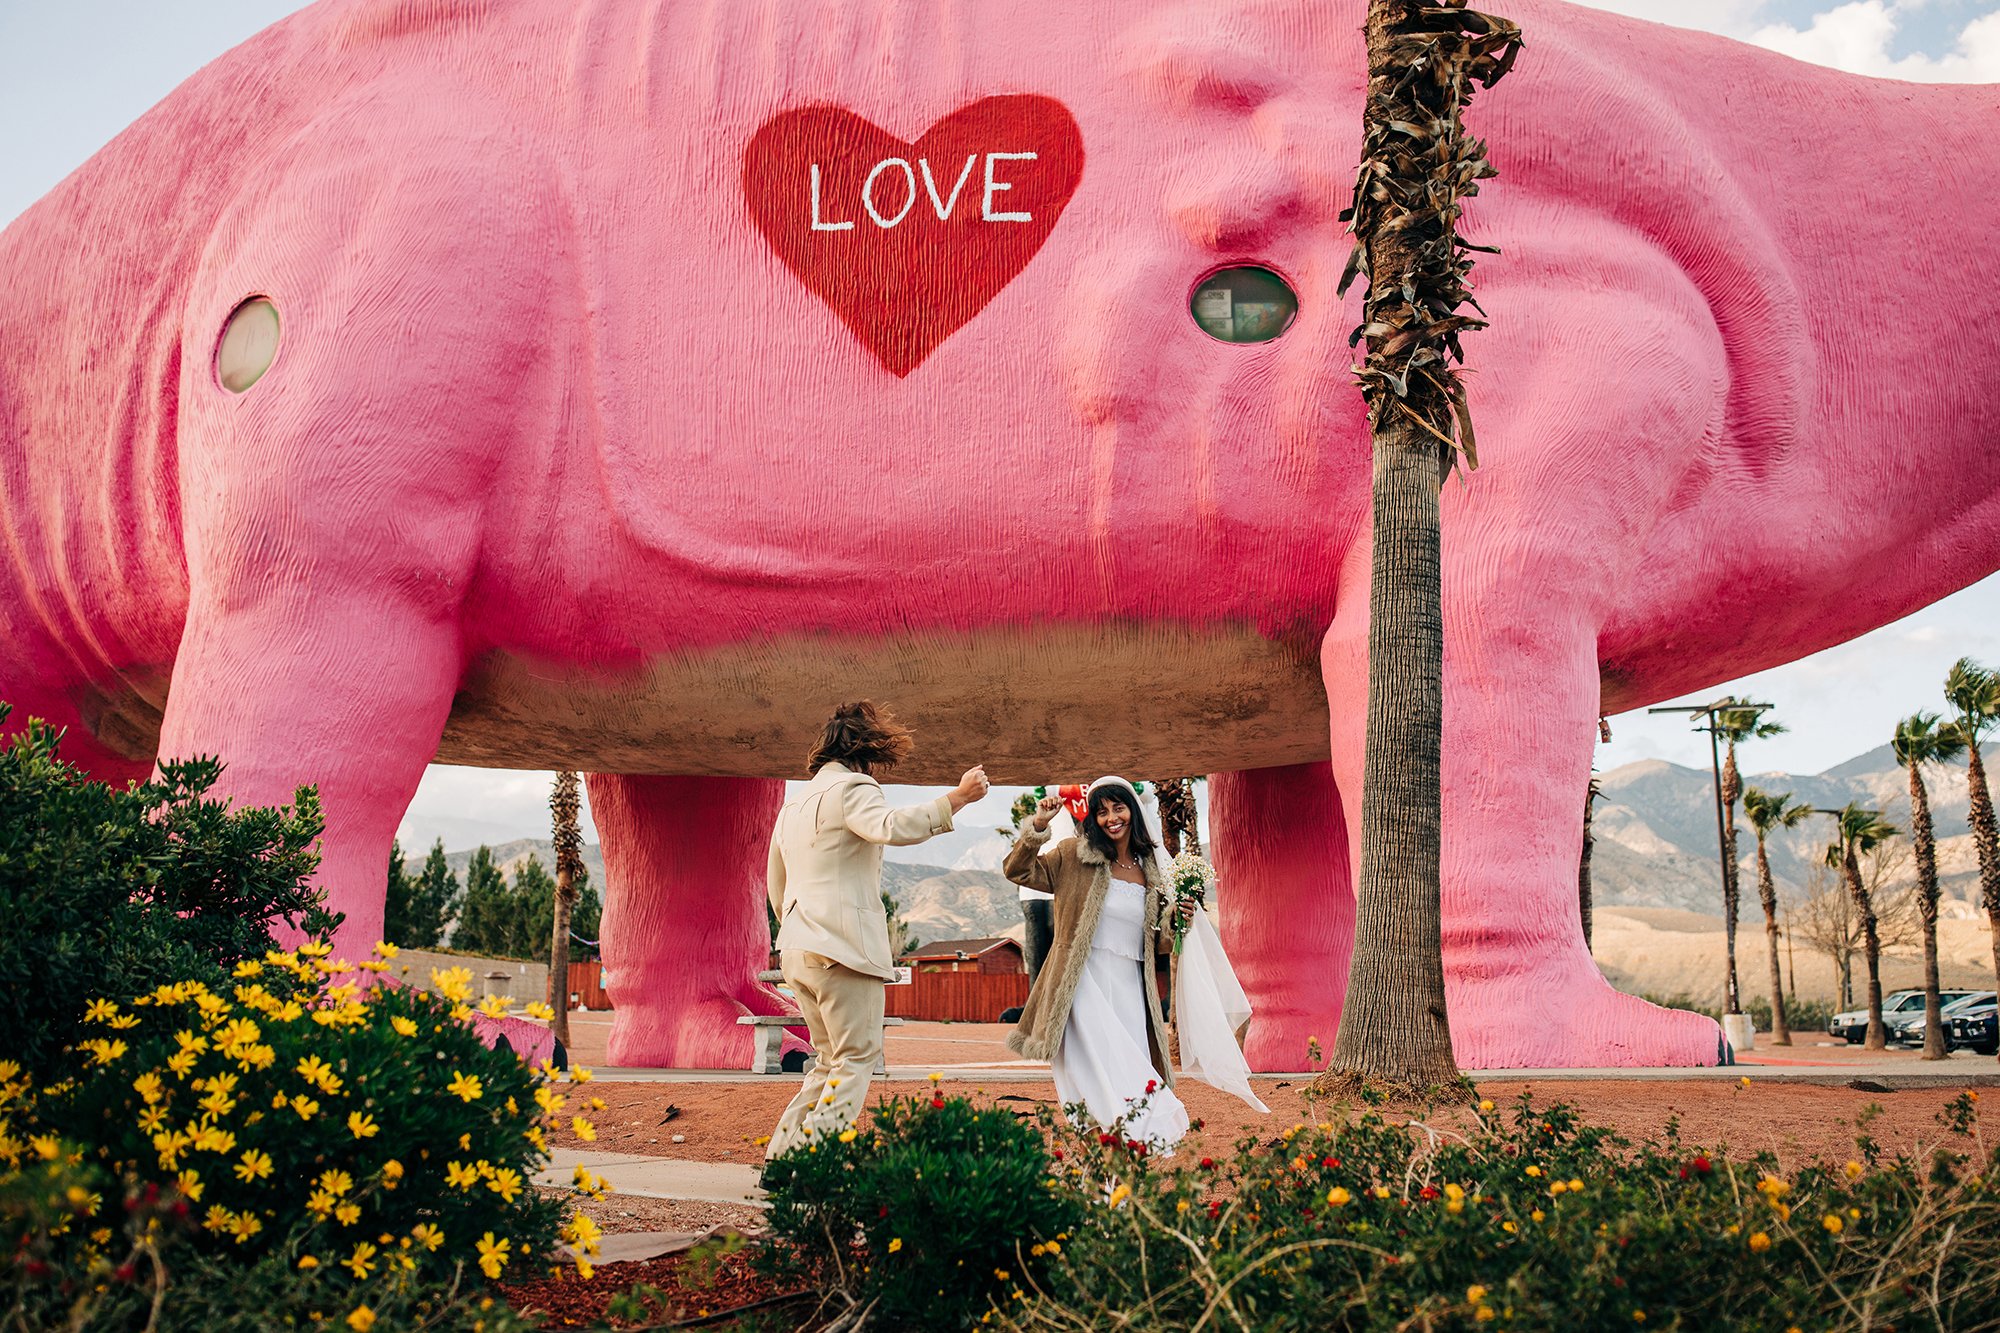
1104	1060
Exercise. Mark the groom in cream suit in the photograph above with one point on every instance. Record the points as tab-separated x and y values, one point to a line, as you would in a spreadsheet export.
826	889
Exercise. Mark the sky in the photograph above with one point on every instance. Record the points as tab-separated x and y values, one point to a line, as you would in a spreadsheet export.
74	74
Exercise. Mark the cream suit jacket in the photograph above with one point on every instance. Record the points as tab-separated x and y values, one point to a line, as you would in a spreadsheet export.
826	866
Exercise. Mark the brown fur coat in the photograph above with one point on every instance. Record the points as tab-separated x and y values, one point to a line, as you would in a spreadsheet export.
1080	878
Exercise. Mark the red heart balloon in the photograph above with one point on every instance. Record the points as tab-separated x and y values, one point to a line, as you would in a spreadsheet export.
908	241
1074	801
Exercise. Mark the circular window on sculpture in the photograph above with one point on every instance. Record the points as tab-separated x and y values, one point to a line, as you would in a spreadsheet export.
1244	305
249	343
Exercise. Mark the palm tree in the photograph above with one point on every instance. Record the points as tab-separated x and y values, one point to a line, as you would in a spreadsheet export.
1974	694
564	806
1767	813
1417	166
1590	795
1863	831
1919	740
1179	815
1731	726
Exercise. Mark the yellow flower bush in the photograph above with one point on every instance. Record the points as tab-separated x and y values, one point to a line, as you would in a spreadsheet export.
296	1107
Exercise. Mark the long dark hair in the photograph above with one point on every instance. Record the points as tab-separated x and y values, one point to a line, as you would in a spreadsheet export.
864	736
1139	838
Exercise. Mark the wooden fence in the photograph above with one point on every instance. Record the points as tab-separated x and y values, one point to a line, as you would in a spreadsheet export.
960	997
586	981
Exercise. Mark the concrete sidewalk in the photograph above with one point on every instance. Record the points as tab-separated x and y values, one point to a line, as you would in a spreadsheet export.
658	1177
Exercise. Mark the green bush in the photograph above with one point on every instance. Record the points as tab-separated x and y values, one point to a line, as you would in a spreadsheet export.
928	1217
115	891
1530	1221
1800	1015
358	1131
502	921
77	1264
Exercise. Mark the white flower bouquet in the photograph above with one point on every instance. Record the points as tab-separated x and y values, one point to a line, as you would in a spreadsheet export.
1189	879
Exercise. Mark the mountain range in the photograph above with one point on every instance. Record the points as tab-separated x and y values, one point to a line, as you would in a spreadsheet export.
1655	847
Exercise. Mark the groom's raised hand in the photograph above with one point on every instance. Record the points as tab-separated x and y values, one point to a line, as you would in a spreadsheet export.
970	787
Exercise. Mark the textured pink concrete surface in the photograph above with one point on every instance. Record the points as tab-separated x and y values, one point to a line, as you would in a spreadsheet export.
684	931
560	463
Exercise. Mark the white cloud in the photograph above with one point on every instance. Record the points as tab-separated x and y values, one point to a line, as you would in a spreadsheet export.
1858	37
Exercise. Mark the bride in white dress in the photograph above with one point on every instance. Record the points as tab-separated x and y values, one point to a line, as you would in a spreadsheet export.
1095	1013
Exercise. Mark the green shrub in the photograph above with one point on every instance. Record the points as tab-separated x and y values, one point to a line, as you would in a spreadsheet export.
1800	1015
929	1216
365	1129
1527	1222
139	1265
115	891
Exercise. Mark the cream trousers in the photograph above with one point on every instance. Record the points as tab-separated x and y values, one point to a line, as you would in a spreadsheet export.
843	1012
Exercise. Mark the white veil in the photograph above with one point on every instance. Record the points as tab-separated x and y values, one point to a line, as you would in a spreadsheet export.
1210	1007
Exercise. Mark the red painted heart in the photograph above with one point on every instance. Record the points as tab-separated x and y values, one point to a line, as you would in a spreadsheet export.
908	241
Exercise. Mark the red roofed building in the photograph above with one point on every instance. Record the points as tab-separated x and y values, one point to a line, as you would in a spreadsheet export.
988	955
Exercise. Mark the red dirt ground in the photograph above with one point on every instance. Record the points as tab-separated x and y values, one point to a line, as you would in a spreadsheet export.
1797	1122
693	1290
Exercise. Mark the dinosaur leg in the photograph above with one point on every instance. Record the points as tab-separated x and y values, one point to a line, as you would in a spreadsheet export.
1286	904
684	932
1522	605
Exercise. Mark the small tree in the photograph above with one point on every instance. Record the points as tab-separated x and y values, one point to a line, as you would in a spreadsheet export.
396	900
1766	813
1974	695
1858	831
421	909
1583	892
565	807
1733	725
115	890
901	940
531	904
1180	815
1919	740
484	920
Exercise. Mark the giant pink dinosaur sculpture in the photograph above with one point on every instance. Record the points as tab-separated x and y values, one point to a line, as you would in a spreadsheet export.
574	453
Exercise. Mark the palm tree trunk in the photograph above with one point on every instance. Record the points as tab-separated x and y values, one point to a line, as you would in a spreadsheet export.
1583	862
1732	787
1767	893
1417	165
1985	839
1871	945
564	805
1394	1025
1927	907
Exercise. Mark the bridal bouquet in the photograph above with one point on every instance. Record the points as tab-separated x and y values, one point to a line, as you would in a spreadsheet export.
1190	877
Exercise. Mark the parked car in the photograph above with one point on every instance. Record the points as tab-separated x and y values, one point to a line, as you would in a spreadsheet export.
1976	1025
1852	1025
1909	1028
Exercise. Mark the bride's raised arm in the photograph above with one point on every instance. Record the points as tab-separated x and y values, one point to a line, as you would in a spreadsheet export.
1026	864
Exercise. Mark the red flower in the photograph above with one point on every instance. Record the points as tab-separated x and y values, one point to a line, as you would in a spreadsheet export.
1208	1164
124	1272
1702	1165
1137	1148
884	1211
1057	1154
937	1103
1427	1192
1329	1162
1106	1140
1152	1085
